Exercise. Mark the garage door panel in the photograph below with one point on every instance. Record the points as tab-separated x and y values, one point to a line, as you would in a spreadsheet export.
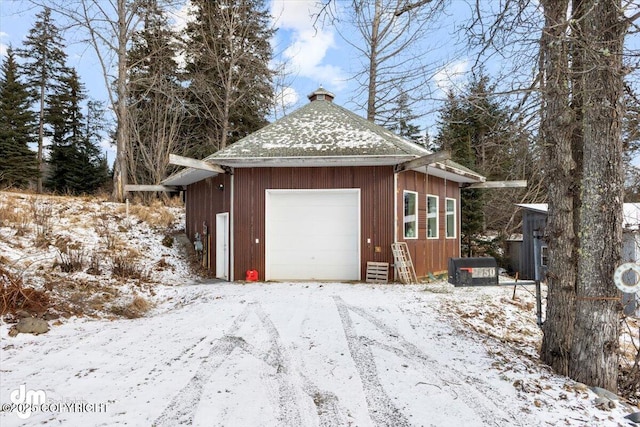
322	250
313	235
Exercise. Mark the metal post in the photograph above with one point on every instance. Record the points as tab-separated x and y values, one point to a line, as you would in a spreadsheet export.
538	304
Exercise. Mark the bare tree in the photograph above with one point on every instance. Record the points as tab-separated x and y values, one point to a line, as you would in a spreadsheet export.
107	26
556	132
392	63
581	81
155	133
600	29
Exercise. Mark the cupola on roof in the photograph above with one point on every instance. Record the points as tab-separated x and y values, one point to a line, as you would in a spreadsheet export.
321	94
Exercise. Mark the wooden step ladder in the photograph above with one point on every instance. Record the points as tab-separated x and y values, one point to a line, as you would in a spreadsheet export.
403	264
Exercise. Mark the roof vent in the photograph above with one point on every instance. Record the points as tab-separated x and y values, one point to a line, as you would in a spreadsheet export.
321	94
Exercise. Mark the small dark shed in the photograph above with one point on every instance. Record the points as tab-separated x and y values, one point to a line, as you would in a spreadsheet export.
534	220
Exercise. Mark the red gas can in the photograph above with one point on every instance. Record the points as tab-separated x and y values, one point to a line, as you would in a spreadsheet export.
252	275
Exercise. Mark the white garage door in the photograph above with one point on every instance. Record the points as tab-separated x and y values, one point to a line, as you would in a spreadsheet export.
312	234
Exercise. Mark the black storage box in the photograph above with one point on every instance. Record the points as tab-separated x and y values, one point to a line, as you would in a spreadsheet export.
473	271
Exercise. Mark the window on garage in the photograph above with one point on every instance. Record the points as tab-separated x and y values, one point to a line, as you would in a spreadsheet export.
410	215
451	218
432	216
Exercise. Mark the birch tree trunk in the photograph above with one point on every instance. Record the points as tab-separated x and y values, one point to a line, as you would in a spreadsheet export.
122	134
373	63
600	34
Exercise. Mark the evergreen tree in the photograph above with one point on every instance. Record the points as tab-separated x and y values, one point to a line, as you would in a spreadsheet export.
100	175
456	135
44	64
228	52
400	122
76	165
478	132
18	165
156	98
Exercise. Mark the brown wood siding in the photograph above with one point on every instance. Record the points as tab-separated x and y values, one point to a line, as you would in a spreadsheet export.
204	200
375	183
429	255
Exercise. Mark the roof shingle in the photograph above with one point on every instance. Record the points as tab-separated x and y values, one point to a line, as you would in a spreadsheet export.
320	129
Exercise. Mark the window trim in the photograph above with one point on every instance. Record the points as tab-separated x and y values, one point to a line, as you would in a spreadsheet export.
448	213
435	215
405	216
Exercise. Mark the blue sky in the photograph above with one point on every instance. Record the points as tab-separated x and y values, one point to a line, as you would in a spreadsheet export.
314	54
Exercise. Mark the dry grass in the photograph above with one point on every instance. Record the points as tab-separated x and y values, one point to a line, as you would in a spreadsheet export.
14	296
102	248
12	215
42	213
9	213
156	214
138	307
125	265
106	230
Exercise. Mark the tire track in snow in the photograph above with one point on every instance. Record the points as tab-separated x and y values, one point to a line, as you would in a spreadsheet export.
326	403
287	399
382	411
183	406
487	409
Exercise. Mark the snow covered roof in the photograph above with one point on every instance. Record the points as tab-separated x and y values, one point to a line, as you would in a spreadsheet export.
322	133
320	129
630	213
536	207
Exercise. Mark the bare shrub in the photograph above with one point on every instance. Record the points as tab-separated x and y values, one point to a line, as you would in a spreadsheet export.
127	267
105	231
42	213
14	296
70	255
70	260
95	266
629	359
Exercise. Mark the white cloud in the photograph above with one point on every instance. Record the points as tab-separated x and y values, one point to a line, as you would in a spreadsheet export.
451	75
307	42
181	16
296	14
3	47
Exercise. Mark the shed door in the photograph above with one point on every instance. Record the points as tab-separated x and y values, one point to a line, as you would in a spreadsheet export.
312	234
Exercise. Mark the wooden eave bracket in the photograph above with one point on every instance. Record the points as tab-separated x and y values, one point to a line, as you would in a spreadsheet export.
423	161
174	159
497	184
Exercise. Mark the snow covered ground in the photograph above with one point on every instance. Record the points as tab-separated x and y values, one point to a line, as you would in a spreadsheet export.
261	354
282	354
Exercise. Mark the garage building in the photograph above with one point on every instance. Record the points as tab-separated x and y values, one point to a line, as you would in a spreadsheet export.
318	194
